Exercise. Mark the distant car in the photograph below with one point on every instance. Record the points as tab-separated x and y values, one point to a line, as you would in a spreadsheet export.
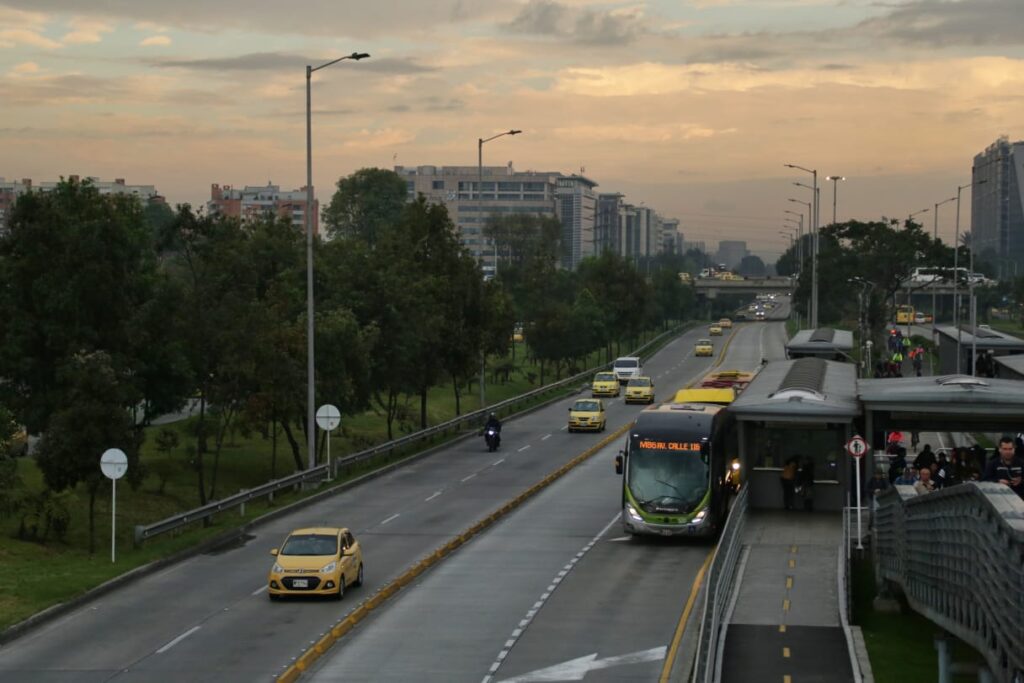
316	561
715	330
759	315
640	390
703	347
605	384
725	323
922	318
626	368
587	414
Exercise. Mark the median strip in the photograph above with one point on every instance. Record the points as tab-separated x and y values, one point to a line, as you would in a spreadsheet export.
310	656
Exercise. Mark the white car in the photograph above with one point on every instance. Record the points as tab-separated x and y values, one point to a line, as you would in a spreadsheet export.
627	368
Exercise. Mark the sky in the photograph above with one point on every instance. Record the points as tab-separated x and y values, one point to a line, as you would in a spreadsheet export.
691	107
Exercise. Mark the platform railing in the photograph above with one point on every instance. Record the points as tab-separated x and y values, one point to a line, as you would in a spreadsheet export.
958	557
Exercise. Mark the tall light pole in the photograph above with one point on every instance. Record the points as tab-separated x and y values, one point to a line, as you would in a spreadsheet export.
865	286
480	219
800	238
310	362
835	180
814	245
910	217
935	237
956	273
810	233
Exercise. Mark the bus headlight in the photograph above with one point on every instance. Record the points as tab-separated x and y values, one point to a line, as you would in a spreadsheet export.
699	517
633	514
735	466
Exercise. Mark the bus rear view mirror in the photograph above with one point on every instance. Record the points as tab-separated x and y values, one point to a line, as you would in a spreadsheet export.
618	463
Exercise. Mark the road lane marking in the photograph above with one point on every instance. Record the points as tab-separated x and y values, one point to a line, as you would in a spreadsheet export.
523	448
469	477
498	462
789	582
792	564
177	640
540	603
782	628
433	496
392	517
562	428
785	605
258	590
545	437
670	658
785	652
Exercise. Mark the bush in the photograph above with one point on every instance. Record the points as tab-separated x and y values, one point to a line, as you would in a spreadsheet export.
44	513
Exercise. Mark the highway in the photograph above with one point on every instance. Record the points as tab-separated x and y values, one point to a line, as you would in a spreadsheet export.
209	619
555	587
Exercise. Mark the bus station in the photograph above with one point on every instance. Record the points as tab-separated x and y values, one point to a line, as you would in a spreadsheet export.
982	340
823	342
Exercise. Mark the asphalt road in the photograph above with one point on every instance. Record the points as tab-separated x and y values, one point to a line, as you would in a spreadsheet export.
555	591
209	619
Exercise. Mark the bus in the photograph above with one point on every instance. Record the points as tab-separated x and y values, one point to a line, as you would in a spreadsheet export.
674	470
904	314
720	387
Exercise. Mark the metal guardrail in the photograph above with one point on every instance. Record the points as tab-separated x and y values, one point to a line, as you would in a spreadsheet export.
718	588
958	557
458	424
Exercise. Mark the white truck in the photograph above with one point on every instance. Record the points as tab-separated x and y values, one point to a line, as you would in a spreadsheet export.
627	368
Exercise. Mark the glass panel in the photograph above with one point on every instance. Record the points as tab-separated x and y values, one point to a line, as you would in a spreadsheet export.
774	447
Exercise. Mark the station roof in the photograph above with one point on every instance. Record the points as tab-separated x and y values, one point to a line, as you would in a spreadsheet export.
824	340
987	338
1015	365
802	390
951	395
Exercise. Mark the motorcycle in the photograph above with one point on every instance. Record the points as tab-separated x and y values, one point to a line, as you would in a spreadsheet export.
493	439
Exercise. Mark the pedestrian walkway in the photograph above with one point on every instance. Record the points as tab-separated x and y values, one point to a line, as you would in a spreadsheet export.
785	623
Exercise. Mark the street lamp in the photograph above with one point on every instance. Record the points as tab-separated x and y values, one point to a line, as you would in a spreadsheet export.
310	363
800	237
935	236
479	217
814	239
956	272
910	217
866	285
835	181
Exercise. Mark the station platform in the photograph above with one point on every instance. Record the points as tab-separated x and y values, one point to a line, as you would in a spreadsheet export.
785	625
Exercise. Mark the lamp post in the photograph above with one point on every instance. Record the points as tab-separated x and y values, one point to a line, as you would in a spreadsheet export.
810	233
480	212
835	181
910	217
865	285
800	237
956	273
935	236
310	363
814	243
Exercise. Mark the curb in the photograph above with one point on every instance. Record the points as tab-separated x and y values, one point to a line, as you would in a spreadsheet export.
386	592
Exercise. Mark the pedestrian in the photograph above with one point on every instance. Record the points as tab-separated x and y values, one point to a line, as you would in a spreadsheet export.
925	483
1007	468
926	458
788	480
805	483
948	471
878	483
917	359
907	478
898	464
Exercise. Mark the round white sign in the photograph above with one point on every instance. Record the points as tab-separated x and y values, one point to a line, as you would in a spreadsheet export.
328	418
114	463
857	447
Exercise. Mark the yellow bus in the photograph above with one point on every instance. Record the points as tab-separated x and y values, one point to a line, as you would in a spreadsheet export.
904	314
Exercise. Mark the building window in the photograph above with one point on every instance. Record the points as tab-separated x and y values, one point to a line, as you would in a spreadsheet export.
437	185
509	187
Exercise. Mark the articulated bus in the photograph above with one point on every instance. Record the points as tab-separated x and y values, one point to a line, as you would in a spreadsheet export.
674	466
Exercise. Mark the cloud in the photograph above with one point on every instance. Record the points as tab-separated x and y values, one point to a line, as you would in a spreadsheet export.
155	41
657	133
24	68
61	89
21	36
382	137
86	32
944	24
281	61
582	25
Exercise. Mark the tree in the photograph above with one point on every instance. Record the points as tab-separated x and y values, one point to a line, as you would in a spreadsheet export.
751	266
366	204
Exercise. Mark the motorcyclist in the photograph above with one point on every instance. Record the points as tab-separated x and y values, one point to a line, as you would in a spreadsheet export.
493	423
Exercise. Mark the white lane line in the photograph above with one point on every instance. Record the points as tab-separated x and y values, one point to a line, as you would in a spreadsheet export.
391	518
433	496
523	448
258	590
498	462
545	437
516	634
177	640
562	428
469	477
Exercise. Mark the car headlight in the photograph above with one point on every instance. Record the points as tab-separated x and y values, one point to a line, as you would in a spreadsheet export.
328	568
699	517
631	511
278	569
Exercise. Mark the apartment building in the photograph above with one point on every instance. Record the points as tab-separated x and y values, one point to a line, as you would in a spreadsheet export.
256	201
10	190
577	209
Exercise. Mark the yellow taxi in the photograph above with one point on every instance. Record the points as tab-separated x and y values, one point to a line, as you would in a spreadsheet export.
605	384
587	415
703	347
316	561
725	323
715	330
640	390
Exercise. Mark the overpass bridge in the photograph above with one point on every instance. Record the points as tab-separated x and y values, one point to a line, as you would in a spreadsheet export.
711	288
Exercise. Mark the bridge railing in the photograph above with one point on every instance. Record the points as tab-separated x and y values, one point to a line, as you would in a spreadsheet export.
717	590
459	424
958	557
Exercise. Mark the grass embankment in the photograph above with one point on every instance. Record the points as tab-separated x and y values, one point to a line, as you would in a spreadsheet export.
35	575
901	646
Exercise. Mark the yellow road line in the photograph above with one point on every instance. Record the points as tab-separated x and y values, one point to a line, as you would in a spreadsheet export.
383	594
785	652
673	650
787	679
782	628
721	358
785	605
789	582
792	564
792	549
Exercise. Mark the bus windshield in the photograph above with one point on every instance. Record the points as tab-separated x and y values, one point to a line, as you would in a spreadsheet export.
667	475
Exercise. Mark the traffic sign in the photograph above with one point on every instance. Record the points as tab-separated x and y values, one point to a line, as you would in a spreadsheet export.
857	446
328	417
113	463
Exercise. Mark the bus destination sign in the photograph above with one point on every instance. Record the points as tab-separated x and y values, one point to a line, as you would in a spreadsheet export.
679	446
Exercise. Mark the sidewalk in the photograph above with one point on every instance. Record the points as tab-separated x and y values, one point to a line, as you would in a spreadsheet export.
785	624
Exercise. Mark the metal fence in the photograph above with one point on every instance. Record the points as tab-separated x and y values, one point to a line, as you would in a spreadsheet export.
958	557
465	422
717	589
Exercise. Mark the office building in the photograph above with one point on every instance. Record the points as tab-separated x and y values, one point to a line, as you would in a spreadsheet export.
577	209
610	224
997	207
731	253
257	201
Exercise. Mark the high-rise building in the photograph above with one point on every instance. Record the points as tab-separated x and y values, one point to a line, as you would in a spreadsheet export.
671	239
731	253
611	219
504	191
997	207
10	190
257	201
577	209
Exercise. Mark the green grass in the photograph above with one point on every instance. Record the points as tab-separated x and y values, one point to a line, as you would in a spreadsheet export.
901	646
35	575
1008	326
